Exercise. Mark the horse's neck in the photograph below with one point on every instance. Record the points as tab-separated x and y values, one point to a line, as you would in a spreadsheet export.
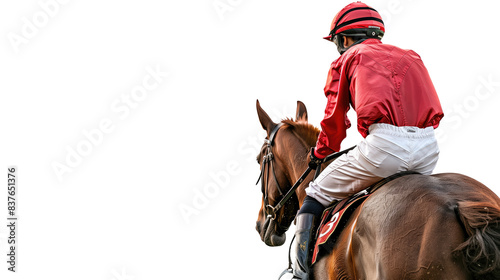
297	165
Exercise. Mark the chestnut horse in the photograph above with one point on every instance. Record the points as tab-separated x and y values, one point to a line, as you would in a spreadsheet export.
443	226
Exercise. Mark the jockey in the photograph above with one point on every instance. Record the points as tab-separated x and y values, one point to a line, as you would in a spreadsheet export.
397	111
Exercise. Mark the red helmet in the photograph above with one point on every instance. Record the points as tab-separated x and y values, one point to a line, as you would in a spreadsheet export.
357	19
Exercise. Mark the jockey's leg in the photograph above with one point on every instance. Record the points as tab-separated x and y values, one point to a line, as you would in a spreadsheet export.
386	150
306	223
343	178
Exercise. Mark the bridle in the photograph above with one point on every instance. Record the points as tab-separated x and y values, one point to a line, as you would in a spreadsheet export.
271	211
268	166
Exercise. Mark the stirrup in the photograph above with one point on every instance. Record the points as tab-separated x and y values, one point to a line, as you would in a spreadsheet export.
286	271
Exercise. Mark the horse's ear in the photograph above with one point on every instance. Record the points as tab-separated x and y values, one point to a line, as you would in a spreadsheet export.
301	112
264	119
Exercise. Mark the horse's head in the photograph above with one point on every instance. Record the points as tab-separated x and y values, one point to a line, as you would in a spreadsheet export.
281	157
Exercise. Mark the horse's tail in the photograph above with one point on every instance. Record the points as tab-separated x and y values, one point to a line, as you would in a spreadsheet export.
481	250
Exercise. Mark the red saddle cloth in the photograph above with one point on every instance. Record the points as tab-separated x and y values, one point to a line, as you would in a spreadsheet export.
333	221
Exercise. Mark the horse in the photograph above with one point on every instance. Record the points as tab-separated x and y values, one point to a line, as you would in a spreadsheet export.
440	226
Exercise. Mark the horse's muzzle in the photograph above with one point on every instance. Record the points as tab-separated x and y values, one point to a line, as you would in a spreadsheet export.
269	234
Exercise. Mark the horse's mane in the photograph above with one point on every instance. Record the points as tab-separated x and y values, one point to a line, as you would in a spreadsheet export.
304	130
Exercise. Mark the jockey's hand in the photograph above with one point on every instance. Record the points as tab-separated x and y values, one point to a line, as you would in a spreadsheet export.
313	160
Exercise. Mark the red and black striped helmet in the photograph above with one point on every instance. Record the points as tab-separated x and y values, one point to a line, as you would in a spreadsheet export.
357	19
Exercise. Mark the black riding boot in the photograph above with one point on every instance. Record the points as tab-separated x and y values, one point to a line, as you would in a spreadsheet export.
304	245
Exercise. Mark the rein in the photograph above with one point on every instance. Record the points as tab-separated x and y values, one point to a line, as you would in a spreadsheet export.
268	158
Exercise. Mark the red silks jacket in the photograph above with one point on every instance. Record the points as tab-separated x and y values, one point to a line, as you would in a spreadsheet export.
383	84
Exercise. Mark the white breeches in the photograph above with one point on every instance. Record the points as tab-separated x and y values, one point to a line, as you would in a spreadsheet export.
386	150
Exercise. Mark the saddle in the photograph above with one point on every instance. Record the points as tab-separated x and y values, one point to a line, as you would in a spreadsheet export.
335	216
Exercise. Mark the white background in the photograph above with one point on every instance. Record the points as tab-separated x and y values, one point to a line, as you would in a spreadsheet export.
117	213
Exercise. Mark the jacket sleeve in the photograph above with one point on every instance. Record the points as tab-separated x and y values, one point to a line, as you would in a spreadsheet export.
335	123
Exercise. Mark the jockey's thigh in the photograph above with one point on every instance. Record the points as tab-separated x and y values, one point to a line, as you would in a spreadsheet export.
386	150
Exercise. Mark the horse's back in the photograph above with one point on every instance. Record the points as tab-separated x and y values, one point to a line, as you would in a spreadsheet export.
409	228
